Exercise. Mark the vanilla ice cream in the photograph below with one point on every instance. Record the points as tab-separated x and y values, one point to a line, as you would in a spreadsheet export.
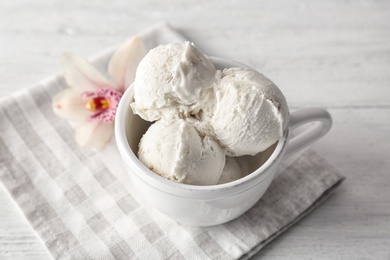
173	80
250	112
177	152
203	115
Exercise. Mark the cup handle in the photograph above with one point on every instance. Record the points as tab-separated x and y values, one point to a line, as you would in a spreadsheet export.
313	133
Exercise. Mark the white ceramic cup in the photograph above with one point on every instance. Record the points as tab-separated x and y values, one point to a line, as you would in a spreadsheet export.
215	204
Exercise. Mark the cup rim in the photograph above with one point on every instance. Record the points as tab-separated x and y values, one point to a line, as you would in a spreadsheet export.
186	190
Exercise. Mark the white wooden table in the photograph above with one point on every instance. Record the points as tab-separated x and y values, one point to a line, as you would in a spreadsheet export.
333	54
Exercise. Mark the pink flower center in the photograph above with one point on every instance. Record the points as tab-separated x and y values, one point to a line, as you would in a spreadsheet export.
103	103
97	103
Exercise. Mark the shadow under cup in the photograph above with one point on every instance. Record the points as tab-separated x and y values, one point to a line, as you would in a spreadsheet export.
190	204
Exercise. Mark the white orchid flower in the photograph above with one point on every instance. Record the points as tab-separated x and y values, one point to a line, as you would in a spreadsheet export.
92	99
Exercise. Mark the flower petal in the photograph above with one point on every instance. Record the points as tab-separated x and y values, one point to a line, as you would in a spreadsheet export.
94	134
69	105
124	62
81	75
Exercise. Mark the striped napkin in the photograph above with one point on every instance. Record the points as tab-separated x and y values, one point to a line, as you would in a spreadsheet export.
82	204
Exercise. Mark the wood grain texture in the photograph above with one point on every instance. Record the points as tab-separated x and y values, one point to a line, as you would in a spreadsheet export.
334	54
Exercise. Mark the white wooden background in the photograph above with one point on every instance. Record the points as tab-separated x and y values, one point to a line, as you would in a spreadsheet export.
333	54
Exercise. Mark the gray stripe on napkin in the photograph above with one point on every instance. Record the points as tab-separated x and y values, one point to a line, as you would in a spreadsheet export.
211	247
75	195
152	232
127	204
43	154
13	175
122	250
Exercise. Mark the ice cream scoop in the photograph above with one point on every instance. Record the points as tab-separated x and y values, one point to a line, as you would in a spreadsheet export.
173	80
249	114
176	151
202	114
214	204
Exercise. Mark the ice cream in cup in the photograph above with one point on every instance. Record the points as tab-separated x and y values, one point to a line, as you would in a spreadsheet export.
202	137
